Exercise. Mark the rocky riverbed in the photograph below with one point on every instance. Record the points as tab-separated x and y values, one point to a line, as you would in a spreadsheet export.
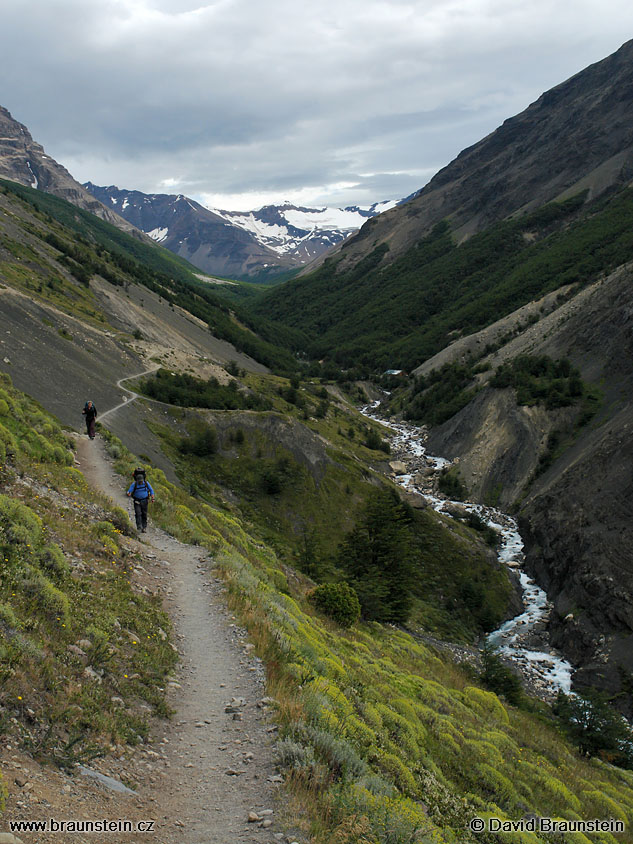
524	639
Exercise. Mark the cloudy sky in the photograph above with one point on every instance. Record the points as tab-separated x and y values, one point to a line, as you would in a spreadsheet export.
238	103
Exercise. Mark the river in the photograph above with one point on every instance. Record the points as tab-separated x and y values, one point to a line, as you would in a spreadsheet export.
522	639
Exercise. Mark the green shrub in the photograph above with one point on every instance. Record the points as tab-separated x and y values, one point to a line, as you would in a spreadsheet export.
450	483
20	528
375	442
494	784
499	677
394	768
120	520
294	754
378	557
340	757
50	600
597	729
202	443
61	455
7	440
338	601
52	559
8	617
487	703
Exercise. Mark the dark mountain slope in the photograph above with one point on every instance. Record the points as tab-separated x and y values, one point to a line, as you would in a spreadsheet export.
398	316
395	283
577	135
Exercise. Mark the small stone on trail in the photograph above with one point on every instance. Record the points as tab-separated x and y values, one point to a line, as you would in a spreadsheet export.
253	817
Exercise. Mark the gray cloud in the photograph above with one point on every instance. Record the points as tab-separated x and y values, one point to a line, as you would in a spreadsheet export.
246	101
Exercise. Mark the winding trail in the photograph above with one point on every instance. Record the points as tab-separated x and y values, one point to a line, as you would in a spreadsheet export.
201	774
134	396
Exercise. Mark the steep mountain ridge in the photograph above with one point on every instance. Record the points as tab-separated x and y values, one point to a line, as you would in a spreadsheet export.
23	160
576	136
251	246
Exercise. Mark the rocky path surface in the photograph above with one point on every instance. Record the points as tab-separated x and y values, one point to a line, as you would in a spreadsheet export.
211	767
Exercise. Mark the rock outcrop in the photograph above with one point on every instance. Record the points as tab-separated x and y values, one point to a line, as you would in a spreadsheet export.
23	160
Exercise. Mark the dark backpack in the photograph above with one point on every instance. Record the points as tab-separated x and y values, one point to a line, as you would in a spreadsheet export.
140	478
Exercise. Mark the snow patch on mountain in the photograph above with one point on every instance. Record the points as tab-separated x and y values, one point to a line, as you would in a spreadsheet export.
289	228
158	234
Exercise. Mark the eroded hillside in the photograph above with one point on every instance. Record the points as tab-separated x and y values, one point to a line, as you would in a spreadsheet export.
564	464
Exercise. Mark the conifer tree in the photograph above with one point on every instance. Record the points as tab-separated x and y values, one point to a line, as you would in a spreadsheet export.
377	557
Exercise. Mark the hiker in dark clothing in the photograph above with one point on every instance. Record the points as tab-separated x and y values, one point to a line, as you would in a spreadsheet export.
140	491
90	412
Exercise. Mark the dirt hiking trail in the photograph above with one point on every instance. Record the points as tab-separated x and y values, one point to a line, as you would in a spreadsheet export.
207	769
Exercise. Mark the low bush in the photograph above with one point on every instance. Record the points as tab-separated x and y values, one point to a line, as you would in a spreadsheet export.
338	601
451	485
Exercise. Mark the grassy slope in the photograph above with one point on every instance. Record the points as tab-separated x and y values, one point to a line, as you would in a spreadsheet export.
93	246
59	544
386	315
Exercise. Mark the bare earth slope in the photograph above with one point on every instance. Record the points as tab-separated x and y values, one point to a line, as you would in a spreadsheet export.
577	517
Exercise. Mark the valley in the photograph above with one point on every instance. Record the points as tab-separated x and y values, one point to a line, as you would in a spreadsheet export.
328	635
264	246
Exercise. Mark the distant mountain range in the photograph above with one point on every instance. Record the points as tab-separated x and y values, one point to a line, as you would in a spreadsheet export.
260	246
254	245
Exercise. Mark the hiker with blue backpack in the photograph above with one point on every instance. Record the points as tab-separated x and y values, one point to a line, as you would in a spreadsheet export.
140	492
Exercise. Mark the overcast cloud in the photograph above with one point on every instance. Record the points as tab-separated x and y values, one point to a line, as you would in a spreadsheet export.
242	102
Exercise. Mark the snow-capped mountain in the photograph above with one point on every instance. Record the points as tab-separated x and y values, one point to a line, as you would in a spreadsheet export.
256	245
304	233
